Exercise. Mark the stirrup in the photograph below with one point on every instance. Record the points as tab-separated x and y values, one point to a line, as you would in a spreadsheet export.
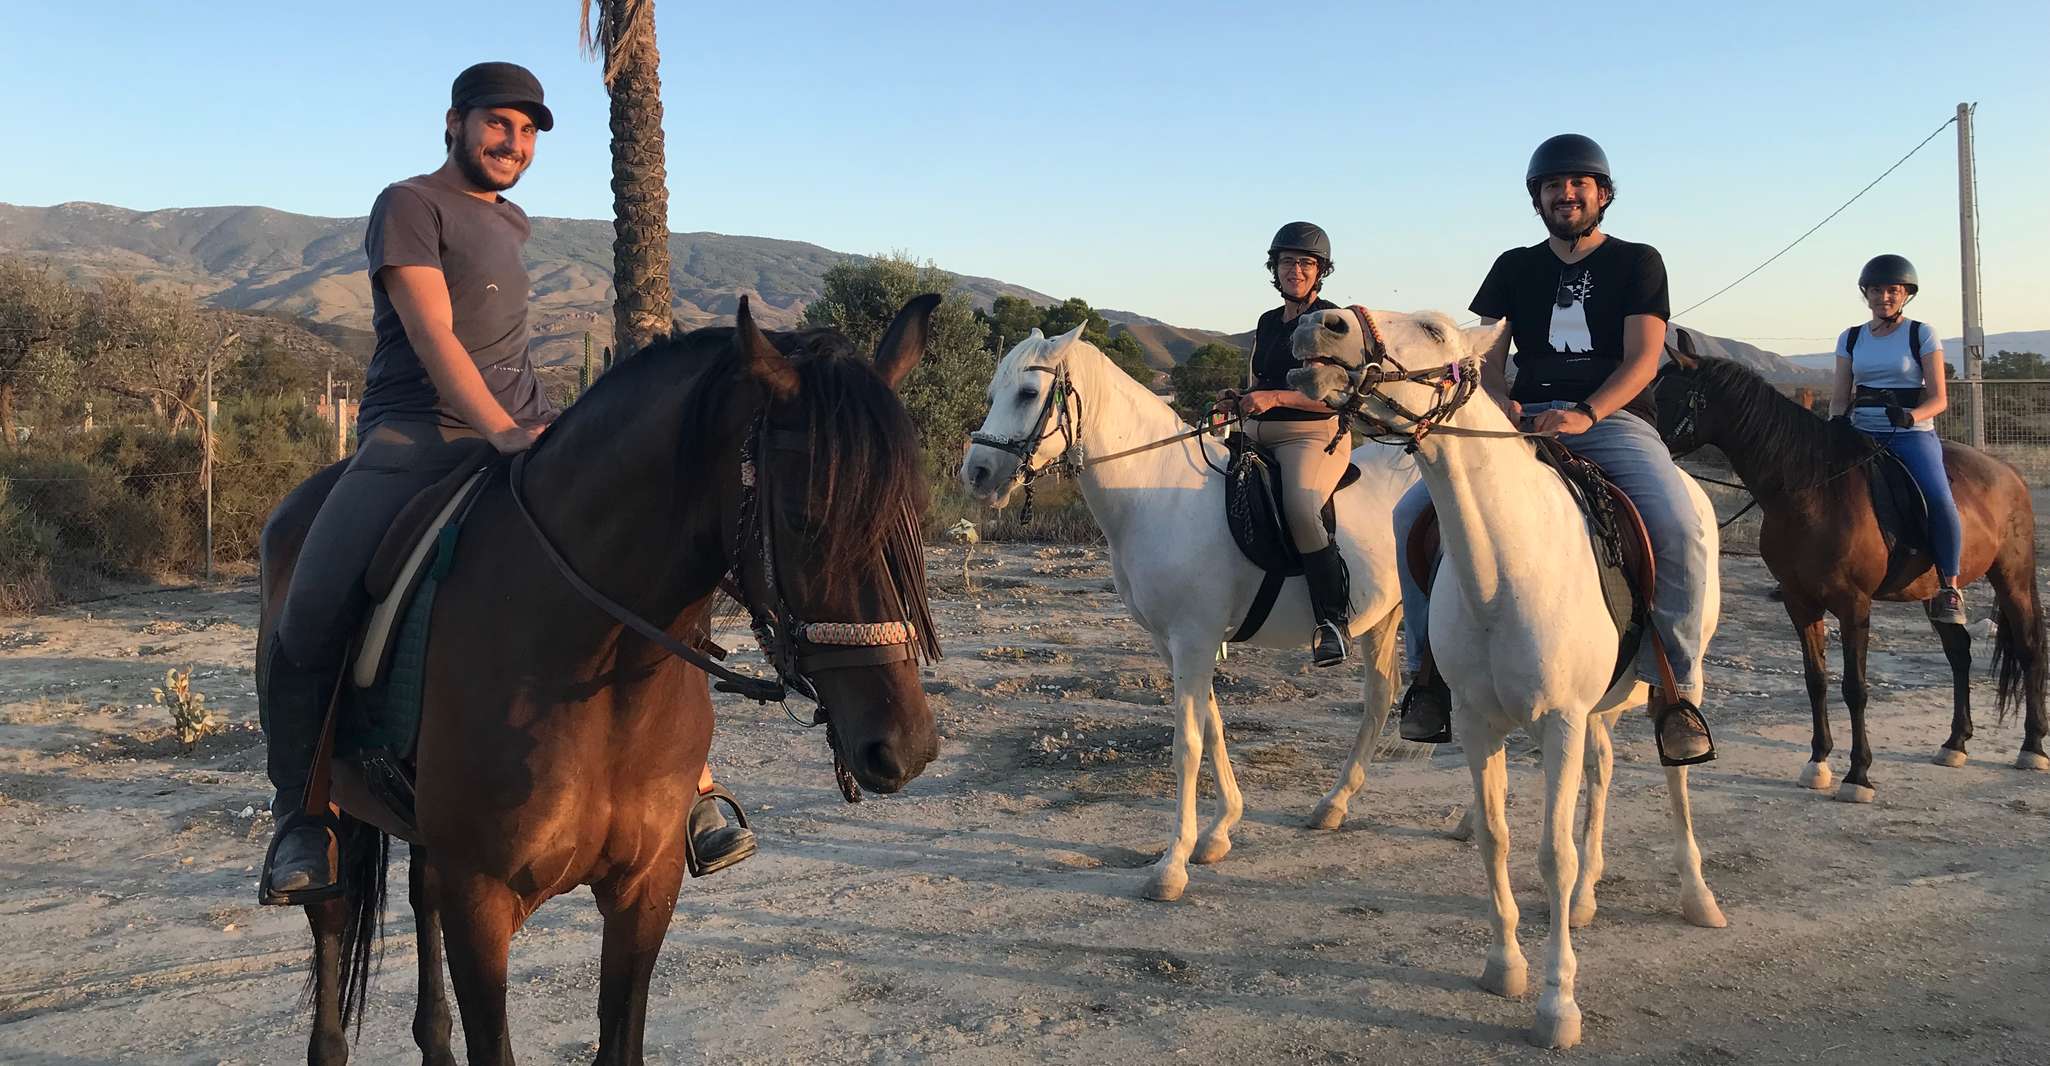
702	867
1658	732
333	889
1337	635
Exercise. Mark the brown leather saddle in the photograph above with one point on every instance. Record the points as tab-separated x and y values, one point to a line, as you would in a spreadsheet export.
1623	556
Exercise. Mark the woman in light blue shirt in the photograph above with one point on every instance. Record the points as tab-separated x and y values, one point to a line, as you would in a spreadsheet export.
1889	382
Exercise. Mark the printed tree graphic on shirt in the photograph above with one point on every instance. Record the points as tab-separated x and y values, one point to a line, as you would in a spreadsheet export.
1569	313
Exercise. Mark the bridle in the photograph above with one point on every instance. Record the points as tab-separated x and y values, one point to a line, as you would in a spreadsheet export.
1054	420
1452	385
794	647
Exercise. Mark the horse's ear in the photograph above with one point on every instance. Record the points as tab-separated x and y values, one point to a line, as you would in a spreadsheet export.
767	365
1480	340
904	342
1036	335
1071	335
1685	354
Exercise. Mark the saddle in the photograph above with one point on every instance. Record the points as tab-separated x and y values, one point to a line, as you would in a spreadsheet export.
373	723
1903	516
1623	557
1252	510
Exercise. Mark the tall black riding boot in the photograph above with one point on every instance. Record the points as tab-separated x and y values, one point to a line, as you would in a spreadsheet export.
1330	601
302	863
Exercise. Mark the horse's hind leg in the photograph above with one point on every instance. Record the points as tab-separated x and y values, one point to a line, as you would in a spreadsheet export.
1857	635
479	915
1807	619
2020	644
637	910
1957	647
329	1044
1215	843
430	1014
1601	764
1377	694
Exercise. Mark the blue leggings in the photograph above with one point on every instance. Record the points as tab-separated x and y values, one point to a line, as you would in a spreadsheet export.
1921	452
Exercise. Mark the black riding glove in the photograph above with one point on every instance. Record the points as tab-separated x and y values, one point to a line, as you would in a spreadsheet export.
1900	417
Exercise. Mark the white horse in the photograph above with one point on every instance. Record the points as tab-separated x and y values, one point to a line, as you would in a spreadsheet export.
1517	624
1174	560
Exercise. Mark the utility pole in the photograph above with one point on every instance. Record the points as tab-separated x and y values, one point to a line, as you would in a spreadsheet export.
1968	240
206	464
331	407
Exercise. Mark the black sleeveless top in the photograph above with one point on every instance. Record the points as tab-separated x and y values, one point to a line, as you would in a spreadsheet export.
1273	359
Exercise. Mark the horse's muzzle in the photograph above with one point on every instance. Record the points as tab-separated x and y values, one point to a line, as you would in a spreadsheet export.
989	475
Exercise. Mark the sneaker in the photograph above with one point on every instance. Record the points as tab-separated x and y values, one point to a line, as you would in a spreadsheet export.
1947	606
1427	710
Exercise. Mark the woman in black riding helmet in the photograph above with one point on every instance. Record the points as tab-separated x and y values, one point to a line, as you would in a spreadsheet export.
1297	429
1889	383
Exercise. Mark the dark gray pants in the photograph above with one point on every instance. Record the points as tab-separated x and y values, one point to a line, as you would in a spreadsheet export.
326	600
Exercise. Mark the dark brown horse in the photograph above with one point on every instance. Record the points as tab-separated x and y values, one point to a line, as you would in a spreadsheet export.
1821	540
558	748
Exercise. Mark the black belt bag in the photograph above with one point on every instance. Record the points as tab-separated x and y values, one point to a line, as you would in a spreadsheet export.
1867	396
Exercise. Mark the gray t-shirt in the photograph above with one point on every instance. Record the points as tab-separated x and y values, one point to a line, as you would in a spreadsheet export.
424	221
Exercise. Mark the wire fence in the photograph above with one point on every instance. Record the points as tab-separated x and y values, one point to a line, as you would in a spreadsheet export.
86	502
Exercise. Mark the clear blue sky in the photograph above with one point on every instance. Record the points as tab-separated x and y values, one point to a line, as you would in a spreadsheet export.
1136	154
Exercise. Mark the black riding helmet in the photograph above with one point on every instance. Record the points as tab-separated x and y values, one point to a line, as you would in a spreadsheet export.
1569	153
1889	270
1304	238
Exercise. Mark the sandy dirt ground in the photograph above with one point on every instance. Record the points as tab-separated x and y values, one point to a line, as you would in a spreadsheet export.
990	913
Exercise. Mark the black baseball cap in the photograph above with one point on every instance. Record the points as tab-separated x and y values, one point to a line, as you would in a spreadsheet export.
501	85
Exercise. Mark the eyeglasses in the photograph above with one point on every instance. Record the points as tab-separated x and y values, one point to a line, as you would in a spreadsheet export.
1289	262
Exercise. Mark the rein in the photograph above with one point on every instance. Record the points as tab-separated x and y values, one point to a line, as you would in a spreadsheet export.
1453	384
793	647
1689	423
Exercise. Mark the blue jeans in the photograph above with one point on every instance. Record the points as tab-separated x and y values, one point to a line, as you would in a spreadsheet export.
1637	460
1921	451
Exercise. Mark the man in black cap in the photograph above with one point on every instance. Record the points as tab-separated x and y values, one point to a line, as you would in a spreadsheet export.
448	288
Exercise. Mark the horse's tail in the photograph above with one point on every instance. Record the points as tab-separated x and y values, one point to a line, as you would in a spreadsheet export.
364	865
2021	654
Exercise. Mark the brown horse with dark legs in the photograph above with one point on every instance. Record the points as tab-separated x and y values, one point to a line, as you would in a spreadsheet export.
1821	540
559	748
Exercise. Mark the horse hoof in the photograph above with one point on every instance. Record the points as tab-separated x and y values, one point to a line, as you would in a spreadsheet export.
1463	832
1328	815
1702	911
1165	886
1504	979
1582	914
1850	792
1557	1031
1949	757
2032	760
1816	775
1210	849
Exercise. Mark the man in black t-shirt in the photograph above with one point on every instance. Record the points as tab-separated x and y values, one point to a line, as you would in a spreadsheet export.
449	292
1588	313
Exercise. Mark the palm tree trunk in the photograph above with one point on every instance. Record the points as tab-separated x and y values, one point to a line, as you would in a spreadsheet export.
640	183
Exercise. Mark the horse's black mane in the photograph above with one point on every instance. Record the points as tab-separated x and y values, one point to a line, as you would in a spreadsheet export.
865	463
1776	442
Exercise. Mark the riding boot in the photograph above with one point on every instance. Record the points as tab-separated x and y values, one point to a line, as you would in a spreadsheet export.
712	844
1330	601
301	864
1426	707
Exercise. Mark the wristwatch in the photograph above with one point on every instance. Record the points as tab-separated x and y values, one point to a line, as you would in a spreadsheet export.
1587	409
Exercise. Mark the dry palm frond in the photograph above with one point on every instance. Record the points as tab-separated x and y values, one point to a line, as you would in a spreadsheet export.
623	26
